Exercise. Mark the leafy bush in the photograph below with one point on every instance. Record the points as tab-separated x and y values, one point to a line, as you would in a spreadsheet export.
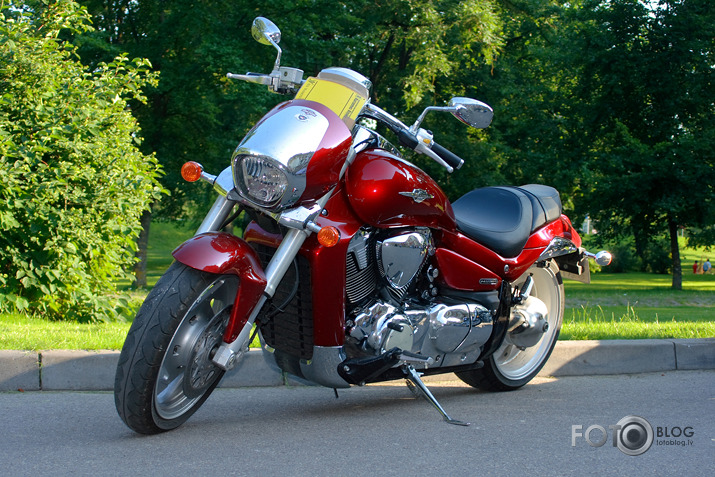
655	257
623	250
72	182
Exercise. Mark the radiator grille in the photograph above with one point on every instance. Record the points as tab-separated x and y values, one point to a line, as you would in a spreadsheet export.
290	329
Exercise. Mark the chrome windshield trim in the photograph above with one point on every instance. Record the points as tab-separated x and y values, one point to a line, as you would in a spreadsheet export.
223	184
301	129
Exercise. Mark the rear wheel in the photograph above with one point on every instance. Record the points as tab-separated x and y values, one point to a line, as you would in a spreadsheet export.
165	371
523	353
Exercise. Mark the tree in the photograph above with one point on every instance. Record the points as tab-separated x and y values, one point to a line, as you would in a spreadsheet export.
646	101
194	113
73	183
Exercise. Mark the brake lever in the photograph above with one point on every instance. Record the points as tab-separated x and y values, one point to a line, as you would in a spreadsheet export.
282	80
252	78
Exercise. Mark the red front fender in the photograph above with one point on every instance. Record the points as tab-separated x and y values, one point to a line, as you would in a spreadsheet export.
222	253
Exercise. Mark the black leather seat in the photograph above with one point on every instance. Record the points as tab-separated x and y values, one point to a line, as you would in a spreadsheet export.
502	218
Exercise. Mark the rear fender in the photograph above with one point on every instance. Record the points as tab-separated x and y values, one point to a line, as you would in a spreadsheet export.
221	253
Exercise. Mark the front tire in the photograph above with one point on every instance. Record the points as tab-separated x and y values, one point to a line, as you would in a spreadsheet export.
511	367
165	371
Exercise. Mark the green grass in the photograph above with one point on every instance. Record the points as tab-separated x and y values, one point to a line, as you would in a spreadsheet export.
639	306
613	306
24	332
616	322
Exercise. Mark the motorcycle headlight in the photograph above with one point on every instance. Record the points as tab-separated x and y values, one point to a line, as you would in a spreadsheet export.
262	180
272	163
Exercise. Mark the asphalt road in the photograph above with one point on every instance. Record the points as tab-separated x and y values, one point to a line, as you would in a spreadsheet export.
375	430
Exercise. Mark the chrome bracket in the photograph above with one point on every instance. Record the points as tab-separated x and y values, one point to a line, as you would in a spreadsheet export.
301	218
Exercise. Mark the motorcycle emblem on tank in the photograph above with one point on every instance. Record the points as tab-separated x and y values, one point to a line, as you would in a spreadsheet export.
418	195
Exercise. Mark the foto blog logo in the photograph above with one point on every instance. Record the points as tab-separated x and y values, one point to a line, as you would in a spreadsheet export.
633	435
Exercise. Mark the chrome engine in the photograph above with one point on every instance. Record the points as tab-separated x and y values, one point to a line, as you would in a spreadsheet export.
395	302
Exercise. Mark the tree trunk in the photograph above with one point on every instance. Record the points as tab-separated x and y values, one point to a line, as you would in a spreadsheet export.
640	240
675	254
142	245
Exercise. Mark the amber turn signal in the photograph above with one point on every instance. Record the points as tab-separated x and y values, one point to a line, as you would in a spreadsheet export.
191	171
328	236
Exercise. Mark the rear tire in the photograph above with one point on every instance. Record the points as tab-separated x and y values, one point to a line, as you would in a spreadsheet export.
165	372
510	368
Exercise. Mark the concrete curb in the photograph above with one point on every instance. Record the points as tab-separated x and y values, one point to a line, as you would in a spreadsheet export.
60	370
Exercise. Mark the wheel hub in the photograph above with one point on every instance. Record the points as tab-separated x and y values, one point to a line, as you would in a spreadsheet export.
528	323
187	372
202	369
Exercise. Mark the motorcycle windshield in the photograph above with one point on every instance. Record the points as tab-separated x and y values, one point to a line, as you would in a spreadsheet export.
344	97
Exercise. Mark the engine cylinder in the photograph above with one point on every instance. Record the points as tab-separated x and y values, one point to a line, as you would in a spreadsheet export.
401	257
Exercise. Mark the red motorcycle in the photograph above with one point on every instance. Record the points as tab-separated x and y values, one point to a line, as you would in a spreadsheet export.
355	268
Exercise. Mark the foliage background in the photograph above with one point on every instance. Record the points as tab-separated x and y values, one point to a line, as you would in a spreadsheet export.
73	183
609	101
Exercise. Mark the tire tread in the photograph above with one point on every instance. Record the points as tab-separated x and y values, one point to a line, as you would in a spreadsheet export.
143	350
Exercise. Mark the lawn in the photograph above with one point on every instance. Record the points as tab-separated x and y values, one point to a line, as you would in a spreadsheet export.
613	306
163	239
24	332
639	305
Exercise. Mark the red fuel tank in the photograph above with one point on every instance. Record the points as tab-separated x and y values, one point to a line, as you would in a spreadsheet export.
385	191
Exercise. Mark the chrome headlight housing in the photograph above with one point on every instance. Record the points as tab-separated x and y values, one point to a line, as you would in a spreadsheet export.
271	163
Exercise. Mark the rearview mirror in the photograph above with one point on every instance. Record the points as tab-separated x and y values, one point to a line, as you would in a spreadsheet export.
471	112
265	31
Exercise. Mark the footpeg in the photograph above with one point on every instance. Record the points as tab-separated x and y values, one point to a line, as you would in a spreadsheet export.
363	370
413	377
407	357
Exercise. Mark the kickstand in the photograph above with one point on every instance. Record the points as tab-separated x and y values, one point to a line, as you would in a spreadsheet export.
414	378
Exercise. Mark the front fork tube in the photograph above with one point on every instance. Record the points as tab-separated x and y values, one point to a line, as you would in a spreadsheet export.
217	215
228	354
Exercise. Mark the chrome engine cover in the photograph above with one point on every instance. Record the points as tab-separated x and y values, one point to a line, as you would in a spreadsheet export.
401	257
452	334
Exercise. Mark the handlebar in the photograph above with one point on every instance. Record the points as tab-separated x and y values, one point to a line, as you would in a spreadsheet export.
423	143
283	80
447	156
286	80
419	141
251	78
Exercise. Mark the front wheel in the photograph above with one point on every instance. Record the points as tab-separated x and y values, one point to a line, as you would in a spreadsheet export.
523	353
165	371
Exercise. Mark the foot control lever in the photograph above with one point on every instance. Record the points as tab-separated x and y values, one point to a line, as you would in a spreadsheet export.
413	377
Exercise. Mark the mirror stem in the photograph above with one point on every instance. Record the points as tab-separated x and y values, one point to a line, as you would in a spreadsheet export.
277	64
416	126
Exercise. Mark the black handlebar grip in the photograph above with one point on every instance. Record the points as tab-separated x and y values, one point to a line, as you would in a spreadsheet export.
406	138
448	156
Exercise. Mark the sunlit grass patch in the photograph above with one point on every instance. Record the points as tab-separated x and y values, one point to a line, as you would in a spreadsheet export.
23	332
616	322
